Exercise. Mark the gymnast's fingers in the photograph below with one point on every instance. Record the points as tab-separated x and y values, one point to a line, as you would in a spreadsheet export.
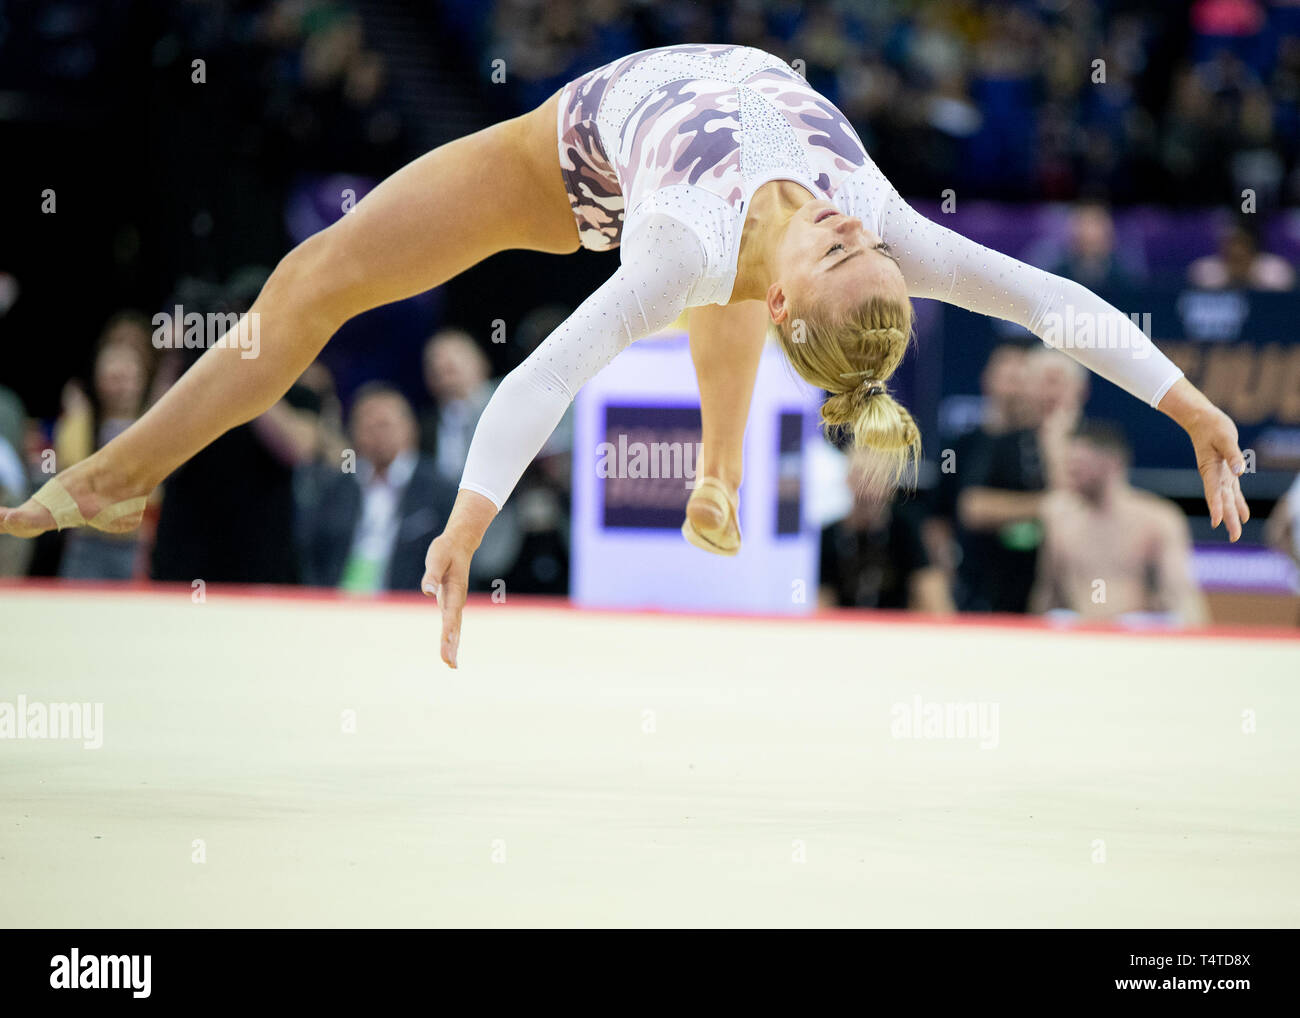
452	600
1213	493
1231	516
435	565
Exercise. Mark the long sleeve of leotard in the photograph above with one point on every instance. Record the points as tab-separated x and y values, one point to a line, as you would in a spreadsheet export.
661	264
942	264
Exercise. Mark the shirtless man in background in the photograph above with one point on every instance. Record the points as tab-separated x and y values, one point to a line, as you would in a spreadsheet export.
1109	550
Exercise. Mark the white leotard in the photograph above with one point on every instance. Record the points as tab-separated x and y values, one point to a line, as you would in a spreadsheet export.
694	131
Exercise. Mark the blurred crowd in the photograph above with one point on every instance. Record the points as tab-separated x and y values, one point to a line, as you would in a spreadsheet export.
290	91
1032	512
306	85
343	486
306	493
1020	99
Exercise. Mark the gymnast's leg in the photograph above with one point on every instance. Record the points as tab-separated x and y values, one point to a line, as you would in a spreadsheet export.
726	345
496	189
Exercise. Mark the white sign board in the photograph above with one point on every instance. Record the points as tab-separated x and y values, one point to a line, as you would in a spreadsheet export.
635	456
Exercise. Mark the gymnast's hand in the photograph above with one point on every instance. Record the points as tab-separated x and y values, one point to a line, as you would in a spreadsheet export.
446	565
1220	463
446	578
1218	457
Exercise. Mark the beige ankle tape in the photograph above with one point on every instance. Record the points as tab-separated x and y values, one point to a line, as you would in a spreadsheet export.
63	507
54	496
127	507
710	488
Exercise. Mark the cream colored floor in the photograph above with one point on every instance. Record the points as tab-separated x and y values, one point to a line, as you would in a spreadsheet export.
532	788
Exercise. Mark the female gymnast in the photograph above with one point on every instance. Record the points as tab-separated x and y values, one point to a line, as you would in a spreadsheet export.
735	191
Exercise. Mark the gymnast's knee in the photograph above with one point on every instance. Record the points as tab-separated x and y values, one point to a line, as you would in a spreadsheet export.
320	280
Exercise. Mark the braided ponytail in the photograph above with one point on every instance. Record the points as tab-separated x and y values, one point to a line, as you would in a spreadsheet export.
852	359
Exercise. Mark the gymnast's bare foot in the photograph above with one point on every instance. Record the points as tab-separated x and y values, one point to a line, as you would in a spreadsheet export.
85	494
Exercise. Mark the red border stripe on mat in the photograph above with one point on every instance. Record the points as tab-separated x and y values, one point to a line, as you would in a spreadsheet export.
836	617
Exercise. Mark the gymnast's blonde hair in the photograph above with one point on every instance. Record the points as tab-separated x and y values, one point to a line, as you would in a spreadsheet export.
852	355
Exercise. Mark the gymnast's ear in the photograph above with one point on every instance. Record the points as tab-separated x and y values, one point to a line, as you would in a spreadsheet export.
778	305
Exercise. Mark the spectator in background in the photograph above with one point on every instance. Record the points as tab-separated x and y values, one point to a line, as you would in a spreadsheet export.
14	553
316	473
87	423
456	375
367	125
13	417
228	514
1004	95
1002	384
1060	386
875	558
1000	479
1193	137
542	44
369	527
1090	257
1005	479
542	566
122	367
1109	550
1283	528
1239	264
320	381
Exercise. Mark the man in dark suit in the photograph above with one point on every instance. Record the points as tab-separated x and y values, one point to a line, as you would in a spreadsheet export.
456	373
374	519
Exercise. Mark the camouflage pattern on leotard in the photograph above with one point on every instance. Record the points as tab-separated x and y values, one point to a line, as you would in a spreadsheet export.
716	117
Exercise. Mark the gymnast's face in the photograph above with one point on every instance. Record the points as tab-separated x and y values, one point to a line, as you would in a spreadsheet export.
830	260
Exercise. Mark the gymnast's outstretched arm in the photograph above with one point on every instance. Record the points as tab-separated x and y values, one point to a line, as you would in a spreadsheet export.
942	264
662	261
